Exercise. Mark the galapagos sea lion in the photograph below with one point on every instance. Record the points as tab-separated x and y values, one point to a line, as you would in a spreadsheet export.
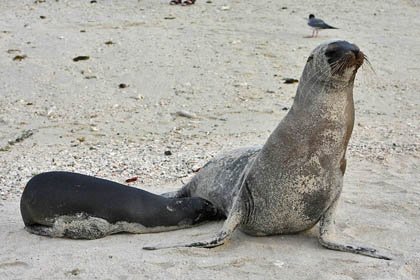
295	180
72	205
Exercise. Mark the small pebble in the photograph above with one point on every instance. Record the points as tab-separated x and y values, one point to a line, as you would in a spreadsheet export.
19	57
130	180
290	80
279	263
81	57
185	114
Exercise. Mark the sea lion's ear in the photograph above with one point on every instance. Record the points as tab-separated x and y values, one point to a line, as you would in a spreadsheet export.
310	58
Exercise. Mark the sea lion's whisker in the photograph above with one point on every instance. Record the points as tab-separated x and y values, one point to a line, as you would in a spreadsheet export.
341	65
368	64
336	66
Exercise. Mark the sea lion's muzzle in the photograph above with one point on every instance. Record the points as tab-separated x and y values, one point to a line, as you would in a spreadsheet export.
342	55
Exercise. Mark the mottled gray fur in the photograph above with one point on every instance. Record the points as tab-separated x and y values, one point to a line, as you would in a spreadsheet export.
296	178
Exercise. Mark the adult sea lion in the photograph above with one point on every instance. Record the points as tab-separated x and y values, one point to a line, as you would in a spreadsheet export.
293	181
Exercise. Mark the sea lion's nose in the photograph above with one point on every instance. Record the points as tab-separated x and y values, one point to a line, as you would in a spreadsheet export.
356	54
345	52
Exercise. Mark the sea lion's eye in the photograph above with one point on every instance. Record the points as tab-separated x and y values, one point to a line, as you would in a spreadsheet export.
310	58
331	53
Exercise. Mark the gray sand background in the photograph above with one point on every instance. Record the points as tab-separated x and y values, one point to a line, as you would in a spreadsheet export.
222	62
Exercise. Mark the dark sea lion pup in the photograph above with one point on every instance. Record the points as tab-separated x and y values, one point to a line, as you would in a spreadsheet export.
64	204
294	181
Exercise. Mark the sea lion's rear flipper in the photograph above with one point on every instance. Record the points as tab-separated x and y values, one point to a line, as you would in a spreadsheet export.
231	223
42	230
79	226
329	238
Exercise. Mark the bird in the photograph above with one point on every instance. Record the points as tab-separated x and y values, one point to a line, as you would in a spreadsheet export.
318	24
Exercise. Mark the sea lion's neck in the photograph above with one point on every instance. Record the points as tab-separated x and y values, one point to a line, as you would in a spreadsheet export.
320	119
324	109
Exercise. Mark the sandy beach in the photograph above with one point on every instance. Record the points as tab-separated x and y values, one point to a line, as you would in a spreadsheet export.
197	81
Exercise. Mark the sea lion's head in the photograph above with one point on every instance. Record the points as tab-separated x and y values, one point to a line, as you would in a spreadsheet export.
336	61
330	69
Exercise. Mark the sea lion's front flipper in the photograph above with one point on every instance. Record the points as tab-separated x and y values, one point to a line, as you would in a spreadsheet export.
231	223
329	238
